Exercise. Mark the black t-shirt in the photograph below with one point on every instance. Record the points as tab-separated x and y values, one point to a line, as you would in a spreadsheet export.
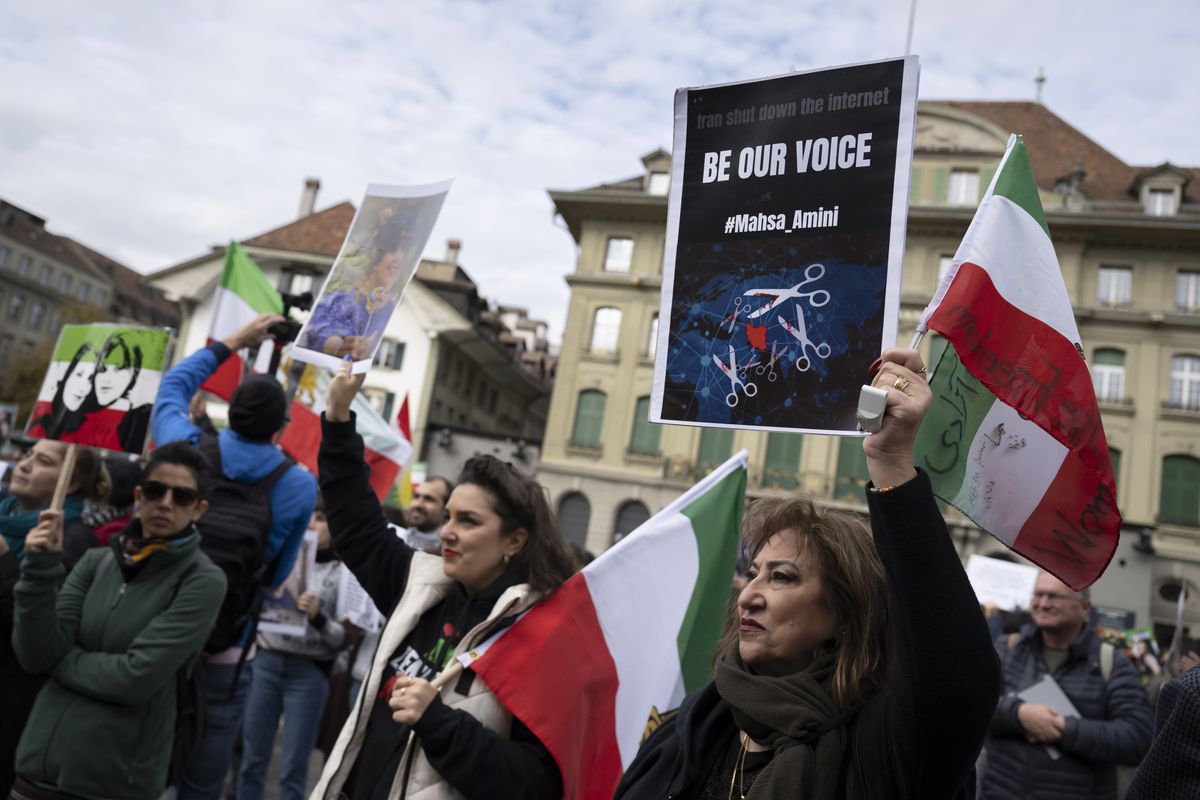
728	779
424	653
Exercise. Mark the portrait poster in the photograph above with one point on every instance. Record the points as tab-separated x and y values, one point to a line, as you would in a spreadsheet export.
100	386
785	236
280	613
376	262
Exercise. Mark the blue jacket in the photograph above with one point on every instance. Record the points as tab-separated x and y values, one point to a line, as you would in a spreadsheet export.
292	498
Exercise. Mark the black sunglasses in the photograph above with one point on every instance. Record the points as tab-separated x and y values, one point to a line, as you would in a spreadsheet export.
157	490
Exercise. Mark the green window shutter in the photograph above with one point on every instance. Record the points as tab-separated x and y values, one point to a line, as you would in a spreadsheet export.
1179	502
1109	356
589	418
388	401
941	184
783	460
1114	456
985	180
852	475
915	195
716	445
644	438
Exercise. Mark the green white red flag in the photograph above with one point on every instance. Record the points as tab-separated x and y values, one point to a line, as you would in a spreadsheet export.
1014	437
592	668
243	293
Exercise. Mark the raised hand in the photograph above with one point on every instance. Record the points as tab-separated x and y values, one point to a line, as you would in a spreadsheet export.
890	451
342	390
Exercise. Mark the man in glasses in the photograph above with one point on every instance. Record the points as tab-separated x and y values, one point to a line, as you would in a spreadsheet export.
1035	751
113	638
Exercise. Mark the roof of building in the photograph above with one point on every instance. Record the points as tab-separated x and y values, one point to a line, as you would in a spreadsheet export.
30	230
321	233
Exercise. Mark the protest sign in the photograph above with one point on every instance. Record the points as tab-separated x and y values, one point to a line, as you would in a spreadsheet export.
785	233
355	606
100	386
8	421
280	614
1007	584
377	259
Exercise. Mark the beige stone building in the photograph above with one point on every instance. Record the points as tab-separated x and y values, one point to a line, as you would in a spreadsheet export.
1128	240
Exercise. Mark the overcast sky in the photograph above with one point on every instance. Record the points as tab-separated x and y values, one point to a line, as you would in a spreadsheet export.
151	131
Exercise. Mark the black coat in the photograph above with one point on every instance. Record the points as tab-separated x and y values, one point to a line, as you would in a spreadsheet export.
919	737
1171	770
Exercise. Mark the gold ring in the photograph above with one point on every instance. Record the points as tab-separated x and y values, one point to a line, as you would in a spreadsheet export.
900	384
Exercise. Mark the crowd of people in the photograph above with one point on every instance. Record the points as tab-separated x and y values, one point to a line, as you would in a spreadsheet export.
855	661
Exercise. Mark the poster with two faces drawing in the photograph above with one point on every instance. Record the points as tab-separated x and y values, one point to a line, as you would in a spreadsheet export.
785	234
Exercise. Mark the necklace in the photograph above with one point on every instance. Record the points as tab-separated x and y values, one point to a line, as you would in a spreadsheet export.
739	768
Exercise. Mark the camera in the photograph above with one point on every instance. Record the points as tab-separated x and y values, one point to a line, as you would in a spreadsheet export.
288	329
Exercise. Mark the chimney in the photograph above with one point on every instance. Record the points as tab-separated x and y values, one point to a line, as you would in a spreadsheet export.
452	248
308	200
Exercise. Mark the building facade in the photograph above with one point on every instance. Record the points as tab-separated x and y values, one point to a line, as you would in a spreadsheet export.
1128	241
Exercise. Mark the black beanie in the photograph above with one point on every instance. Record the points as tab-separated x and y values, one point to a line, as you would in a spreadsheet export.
258	408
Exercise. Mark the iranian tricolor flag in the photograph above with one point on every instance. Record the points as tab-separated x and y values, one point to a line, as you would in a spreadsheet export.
1014	437
591	669
243	293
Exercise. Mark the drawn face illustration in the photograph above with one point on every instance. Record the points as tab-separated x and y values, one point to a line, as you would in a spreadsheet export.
78	383
112	381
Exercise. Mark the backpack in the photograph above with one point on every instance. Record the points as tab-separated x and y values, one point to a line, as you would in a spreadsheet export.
234	533
1107	651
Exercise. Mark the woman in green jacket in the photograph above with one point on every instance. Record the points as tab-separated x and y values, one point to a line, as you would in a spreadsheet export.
112	639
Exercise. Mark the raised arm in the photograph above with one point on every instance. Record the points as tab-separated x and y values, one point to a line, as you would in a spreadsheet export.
946	679
361	534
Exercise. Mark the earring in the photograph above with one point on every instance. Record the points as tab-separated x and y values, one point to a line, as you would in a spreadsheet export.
507	558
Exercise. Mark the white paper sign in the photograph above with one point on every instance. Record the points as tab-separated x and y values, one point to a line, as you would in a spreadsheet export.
1008	585
280	614
355	606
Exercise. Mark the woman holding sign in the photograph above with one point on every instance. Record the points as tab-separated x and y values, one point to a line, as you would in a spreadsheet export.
422	727
851	668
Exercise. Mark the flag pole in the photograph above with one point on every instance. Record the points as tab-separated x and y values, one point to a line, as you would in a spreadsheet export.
912	18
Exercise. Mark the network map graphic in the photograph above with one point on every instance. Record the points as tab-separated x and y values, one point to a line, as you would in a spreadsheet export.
762	335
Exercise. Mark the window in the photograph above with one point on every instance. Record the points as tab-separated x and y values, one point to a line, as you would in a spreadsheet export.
964	187
300	283
64	283
101	297
1160	202
391	354
381	401
606	327
944	262
619	255
24	266
15	307
644	439
1114	455
852	475
1116	287
37	312
630	515
1185	382
1187	291
652	342
782	464
4	254
1108	375
574	514
82	292
5	347
55	324
44	274
658	183
589	418
1179	499
716	445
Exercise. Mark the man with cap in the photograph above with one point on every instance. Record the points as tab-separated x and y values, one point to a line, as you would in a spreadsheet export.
258	410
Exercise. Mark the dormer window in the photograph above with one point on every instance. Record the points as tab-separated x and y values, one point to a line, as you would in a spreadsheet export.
658	183
1160	202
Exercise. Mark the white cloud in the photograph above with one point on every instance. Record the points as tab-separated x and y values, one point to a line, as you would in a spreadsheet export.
153	131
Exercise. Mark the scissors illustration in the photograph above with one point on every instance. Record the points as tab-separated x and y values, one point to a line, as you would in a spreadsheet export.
800	331
817	298
738	304
769	367
731	372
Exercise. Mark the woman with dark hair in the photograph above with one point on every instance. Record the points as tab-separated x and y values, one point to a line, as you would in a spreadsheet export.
69	407
856	663
422	727
113	384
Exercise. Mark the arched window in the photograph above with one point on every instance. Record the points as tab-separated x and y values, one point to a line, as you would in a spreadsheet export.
1108	374
852	475
1179	498
1185	382
644	438
574	514
631	514
606	327
782	464
716	445
589	418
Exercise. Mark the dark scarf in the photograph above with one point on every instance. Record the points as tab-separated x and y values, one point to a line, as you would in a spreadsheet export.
16	522
133	550
797	716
